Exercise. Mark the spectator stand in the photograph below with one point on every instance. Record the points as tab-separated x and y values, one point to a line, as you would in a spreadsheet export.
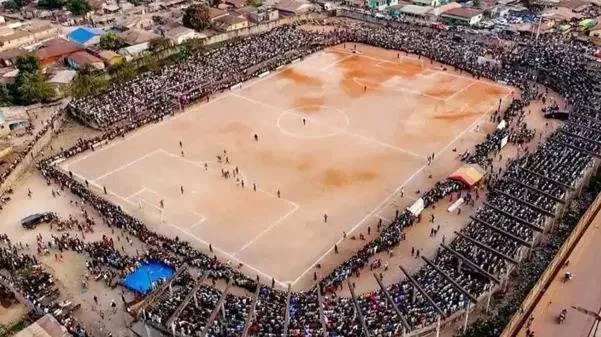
191	295
405	326
366	331
418	288
252	314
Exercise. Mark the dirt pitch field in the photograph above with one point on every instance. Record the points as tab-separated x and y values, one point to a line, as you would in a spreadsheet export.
370	120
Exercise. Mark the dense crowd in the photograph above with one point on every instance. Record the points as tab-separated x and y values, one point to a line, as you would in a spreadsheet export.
520	202
31	282
159	93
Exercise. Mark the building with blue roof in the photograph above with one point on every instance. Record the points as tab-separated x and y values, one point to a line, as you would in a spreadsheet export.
86	36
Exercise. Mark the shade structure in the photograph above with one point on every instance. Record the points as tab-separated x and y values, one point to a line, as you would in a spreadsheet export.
470	175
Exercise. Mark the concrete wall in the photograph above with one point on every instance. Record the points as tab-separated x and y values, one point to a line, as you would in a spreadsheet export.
33	152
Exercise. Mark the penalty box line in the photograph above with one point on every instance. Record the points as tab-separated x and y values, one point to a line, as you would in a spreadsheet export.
228	255
231	256
215	248
132	198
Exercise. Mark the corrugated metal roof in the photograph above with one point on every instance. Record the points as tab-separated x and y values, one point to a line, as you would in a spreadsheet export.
63	77
46	326
415	10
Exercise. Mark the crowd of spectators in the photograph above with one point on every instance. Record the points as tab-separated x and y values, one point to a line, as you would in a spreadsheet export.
33	284
519	204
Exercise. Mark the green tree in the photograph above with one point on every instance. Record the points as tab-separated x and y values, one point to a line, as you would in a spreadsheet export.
51	4
197	17
193	45
111	41
255	3
15	5
33	88
28	63
30	85
79	7
11	5
149	63
122	72
5	99
159	44
88	84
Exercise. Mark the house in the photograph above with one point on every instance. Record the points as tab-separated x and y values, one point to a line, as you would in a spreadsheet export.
134	22
103	19
109	57
62	77
293	7
257	15
13	120
137	36
28	36
134	51
129	9
264	15
180	34
215	13
441	9
46	326
81	59
8	57
236	3
245	11
110	8
61	80
173	3
381	4
9	75
231	22
426	3
55	50
462	16
414	10
87	36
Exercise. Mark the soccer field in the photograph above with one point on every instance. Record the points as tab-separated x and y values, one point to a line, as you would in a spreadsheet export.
338	133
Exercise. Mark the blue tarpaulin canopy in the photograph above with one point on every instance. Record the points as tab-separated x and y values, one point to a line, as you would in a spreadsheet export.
82	35
145	276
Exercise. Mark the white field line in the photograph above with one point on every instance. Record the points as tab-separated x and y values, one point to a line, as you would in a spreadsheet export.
362	82
460	91
365	218
267	230
126	165
167	119
340	60
228	255
334	129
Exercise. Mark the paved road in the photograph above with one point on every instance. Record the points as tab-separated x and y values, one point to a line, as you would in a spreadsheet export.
584	291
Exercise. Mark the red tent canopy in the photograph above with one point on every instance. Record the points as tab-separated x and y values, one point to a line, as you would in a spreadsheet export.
470	175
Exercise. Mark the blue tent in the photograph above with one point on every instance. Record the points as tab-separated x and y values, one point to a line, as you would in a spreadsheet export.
82	35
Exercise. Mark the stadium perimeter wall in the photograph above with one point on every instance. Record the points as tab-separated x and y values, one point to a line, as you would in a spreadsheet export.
29	157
